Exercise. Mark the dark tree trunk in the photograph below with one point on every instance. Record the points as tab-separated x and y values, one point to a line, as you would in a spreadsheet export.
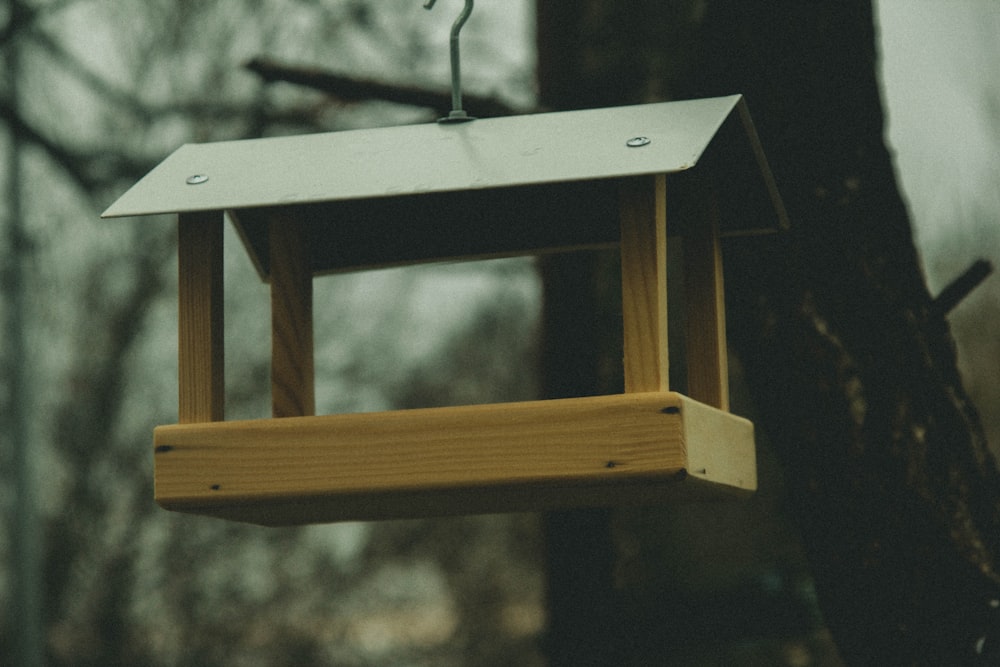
585	626
851	365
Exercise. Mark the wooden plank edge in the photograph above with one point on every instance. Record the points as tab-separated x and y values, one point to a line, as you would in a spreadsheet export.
720	446
213	453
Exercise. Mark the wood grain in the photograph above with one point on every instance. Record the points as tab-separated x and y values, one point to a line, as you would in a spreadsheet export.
292	357
705	303
644	283
201	351
472	459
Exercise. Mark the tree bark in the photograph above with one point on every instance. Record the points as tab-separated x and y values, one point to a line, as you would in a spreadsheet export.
852	367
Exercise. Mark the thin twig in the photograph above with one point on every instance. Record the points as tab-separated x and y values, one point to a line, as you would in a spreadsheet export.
961	287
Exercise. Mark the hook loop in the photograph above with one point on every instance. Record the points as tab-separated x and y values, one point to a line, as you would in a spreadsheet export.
457	114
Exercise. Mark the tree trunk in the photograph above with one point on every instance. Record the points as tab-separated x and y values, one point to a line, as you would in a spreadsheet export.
585	626
851	365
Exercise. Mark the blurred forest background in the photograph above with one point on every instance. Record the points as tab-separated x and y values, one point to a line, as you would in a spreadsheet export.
96	92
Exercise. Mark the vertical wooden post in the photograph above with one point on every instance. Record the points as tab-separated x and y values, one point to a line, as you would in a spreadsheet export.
201	352
644	283
708	369
292	369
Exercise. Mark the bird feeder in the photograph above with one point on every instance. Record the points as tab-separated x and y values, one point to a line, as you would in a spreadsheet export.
311	205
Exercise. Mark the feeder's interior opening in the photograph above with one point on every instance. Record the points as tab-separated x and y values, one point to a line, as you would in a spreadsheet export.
429	335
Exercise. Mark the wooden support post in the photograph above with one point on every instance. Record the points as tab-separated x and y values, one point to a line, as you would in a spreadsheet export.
644	283
292	366
708	369
201	356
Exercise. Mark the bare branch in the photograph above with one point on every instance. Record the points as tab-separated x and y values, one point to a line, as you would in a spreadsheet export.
20	17
126	100
89	171
350	89
961	287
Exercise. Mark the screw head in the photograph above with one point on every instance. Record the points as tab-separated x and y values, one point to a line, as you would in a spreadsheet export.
196	179
636	142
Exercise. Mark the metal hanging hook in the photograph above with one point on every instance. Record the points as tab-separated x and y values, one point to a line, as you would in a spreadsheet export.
457	114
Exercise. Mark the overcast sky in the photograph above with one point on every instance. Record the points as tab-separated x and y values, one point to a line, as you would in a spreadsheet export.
941	76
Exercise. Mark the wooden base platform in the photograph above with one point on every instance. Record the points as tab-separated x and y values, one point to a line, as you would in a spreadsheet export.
596	451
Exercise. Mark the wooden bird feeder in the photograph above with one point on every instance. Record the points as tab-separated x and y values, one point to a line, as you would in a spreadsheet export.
315	204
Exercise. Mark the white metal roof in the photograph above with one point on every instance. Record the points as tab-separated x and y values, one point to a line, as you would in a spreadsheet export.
434	158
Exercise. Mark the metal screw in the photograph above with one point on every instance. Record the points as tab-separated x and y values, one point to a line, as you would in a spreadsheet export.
636	142
197	179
